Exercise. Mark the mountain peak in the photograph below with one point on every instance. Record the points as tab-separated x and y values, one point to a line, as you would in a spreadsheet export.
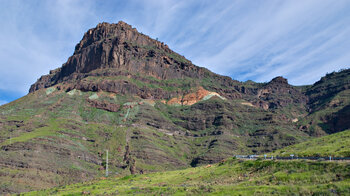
122	23
111	50
104	31
279	80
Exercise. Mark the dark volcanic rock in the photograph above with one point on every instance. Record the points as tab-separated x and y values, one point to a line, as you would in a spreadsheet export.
121	48
338	121
279	80
104	105
278	93
111	50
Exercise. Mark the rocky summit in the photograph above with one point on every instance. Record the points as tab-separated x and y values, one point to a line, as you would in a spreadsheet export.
118	50
153	110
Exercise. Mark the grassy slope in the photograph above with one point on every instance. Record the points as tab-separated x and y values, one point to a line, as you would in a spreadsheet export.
233	176
337	144
54	121
61	127
326	98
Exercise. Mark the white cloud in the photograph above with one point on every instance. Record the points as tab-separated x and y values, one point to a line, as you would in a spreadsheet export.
37	38
281	39
2	102
262	40
301	40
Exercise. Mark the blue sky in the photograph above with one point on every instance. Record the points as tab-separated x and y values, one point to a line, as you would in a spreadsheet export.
256	40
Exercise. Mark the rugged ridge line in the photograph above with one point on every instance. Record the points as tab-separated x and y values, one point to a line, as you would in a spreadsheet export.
122	49
118	53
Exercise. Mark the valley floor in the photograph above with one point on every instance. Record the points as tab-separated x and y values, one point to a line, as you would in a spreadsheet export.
229	177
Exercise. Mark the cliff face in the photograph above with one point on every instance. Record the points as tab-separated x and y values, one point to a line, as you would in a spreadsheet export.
118	53
111	56
119	48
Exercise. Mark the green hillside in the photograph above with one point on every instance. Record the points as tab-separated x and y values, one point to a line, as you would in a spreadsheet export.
328	104
53	137
231	177
337	144
154	111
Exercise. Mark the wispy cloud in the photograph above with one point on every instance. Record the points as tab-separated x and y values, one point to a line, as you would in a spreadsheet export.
37	37
258	40
2	102
286	39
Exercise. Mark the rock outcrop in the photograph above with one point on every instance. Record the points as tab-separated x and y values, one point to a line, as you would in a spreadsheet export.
119	48
192	98
278	93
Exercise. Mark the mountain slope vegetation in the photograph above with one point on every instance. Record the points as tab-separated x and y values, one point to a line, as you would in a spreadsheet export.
336	145
230	177
153	110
